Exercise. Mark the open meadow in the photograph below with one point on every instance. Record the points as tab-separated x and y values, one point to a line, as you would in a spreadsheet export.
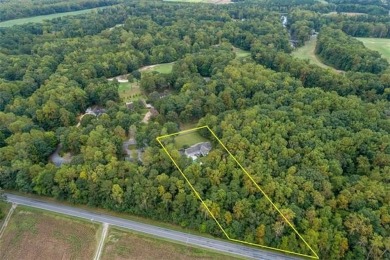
378	44
37	234
122	244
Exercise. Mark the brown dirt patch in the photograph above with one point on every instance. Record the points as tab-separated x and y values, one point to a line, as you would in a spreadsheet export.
34	234
123	245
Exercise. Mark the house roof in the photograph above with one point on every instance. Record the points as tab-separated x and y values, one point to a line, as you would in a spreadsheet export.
198	149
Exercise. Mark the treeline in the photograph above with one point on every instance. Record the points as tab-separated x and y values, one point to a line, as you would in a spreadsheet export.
10	9
346	53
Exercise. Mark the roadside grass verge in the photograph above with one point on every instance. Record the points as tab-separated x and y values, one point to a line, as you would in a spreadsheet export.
124	244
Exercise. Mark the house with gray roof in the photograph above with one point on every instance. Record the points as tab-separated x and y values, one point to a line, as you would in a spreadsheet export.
196	150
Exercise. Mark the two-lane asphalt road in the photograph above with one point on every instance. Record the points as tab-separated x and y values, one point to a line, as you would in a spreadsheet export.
217	245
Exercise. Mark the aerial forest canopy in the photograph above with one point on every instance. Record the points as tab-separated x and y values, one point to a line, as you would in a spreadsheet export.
317	141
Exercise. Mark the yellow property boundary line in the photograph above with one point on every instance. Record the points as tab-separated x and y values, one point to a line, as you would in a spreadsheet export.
250	177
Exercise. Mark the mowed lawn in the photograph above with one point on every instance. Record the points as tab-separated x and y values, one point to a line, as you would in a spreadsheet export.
163	68
378	44
307	52
240	53
37	234
124	245
41	18
188	139
129	91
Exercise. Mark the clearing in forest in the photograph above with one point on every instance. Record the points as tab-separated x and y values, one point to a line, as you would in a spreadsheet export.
163	68
38	234
122	244
130	91
229	194
240	53
380	45
307	52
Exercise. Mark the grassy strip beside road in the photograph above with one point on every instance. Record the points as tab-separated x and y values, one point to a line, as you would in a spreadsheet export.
132	245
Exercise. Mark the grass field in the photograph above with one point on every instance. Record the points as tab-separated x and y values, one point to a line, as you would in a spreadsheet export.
37	234
122	244
378	44
41	18
306	52
163	68
241	53
130	91
189	139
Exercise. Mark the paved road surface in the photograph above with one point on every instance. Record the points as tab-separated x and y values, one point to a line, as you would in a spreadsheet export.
217	245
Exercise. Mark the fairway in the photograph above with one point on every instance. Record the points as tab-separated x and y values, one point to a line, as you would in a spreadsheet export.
378	44
121	244
163	68
37	234
306	52
41	18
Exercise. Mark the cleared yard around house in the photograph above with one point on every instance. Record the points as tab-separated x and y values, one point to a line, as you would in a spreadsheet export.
307	52
122	244
41	18
188	139
378	44
37	234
